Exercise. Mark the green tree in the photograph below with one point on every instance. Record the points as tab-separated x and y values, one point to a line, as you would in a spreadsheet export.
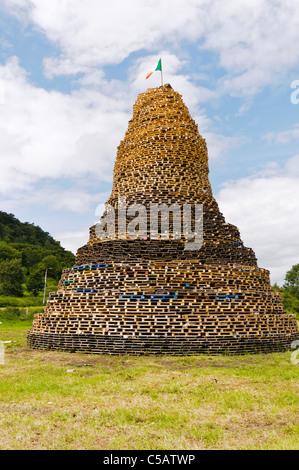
31	255
52	265
11	277
290	303
35	282
291	284
36	250
8	252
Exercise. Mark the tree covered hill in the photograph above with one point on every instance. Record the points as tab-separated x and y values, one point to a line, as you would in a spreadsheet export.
26	251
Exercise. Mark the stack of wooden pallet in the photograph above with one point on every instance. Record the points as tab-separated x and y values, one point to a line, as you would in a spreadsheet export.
153	296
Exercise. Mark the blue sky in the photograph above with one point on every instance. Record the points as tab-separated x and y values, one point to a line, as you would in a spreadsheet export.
71	71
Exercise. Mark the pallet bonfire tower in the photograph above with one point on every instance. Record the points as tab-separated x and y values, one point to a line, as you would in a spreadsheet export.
151	295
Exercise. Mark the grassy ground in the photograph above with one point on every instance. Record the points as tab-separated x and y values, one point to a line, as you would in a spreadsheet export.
58	400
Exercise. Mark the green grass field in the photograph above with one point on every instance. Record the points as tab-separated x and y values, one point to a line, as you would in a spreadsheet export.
58	400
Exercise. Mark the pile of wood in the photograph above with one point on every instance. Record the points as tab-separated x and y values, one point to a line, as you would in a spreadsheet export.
153	296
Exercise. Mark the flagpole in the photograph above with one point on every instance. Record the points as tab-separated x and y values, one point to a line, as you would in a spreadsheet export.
45	286
161	73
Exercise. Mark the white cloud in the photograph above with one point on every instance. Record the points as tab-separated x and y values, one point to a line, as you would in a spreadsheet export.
76	200
265	208
72	240
95	33
245	35
283	137
51	135
48	134
292	166
220	145
255	40
172	66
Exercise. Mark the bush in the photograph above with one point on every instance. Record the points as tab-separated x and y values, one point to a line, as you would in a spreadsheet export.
11	278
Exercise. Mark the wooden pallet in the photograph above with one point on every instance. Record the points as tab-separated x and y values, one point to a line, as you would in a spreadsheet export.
144	295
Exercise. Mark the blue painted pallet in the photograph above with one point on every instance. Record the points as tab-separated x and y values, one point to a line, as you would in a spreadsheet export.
90	266
85	291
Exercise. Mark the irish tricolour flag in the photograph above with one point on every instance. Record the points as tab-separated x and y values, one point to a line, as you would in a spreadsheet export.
157	67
